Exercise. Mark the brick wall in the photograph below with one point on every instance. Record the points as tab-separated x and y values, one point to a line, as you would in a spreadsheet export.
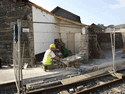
9	13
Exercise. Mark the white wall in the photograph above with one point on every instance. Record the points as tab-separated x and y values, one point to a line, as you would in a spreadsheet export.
83	30
77	42
64	29
44	34
123	34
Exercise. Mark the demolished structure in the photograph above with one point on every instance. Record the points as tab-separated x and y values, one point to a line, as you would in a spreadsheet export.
39	29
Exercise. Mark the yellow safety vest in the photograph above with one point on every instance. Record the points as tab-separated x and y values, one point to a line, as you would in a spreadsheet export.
49	59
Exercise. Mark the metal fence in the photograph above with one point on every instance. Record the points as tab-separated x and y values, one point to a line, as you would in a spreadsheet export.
17	58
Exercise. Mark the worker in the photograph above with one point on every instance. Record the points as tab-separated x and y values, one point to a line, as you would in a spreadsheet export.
49	54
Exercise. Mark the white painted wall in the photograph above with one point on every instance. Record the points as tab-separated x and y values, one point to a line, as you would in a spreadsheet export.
70	29
64	38
44	34
77	42
108	30
83	30
123	35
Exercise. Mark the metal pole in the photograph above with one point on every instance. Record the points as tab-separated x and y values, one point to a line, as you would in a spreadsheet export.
14	62
21	79
114	51
18	21
112	45
111	40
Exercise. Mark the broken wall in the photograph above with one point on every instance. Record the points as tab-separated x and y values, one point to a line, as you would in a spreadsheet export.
70	35
104	40
9	13
45	31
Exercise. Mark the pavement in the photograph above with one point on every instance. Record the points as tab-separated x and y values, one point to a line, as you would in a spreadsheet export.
7	73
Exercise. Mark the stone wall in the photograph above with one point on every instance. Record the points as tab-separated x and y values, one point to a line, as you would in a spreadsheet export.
9	13
104	40
84	46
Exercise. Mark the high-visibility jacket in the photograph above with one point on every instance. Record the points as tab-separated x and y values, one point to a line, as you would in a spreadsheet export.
47	60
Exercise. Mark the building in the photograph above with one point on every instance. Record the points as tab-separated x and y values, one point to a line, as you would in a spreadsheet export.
43	28
10	11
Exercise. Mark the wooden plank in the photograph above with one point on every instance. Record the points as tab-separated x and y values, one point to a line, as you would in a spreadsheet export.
82	77
100	49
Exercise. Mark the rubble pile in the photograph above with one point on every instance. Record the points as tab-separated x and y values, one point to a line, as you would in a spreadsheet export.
61	51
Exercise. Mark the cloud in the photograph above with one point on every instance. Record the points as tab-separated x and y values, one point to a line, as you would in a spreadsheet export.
120	5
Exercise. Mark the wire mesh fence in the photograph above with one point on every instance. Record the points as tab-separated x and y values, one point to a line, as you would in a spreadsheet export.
17	59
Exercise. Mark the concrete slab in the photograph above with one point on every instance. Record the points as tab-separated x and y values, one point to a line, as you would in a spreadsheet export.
7	74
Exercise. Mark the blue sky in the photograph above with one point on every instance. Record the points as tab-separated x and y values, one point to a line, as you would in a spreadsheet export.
105	12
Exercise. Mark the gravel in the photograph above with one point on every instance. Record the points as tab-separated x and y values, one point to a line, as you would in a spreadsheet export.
117	88
9	91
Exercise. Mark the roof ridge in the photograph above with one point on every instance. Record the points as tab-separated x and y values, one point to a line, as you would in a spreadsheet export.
55	15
